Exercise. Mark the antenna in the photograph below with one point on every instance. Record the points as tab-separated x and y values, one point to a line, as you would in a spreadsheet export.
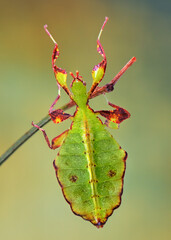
101	30
48	33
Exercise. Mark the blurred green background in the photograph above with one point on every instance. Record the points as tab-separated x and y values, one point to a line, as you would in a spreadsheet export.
31	202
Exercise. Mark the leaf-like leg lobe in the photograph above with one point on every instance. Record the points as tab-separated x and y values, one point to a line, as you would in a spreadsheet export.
58	141
59	115
115	116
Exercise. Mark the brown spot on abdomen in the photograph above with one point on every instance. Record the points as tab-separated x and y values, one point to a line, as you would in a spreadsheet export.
111	173
73	178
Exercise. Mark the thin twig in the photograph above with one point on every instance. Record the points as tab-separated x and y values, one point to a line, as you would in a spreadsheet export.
99	90
28	134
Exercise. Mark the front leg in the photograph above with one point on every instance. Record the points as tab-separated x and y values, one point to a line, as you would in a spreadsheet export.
57	116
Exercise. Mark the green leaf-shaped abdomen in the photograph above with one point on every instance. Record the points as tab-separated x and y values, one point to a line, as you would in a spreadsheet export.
90	168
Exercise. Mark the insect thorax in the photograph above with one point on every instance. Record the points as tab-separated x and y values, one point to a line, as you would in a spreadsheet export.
79	93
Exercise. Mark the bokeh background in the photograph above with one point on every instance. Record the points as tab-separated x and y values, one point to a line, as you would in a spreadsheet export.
31	202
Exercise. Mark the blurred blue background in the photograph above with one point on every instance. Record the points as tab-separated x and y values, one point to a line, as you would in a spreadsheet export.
31	202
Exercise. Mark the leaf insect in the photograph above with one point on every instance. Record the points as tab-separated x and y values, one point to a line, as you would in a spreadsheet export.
90	164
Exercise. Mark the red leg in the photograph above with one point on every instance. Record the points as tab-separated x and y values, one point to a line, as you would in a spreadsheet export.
57	115
55	101
56	142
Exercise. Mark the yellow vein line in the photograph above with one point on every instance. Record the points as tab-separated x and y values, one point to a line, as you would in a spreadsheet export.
89	156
